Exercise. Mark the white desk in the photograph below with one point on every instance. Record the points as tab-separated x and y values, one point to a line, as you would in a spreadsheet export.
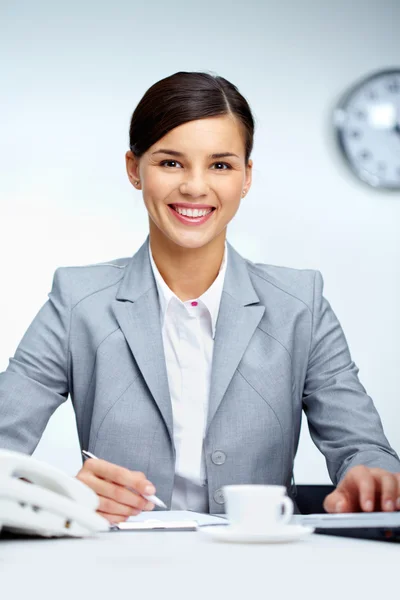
184	565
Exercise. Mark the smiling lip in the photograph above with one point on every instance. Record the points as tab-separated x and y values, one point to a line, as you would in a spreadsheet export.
193	221
191	205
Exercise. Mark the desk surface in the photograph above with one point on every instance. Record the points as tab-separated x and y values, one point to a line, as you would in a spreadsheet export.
186	565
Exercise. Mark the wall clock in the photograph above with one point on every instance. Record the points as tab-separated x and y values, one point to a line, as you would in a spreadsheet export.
367	124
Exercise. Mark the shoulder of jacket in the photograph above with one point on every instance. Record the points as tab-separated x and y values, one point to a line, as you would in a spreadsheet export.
82	281
297	283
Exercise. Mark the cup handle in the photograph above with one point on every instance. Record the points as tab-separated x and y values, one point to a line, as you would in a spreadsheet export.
287	505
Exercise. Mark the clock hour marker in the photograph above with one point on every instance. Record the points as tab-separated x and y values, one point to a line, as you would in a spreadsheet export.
365	155
372	94
394	86
356	134
361	114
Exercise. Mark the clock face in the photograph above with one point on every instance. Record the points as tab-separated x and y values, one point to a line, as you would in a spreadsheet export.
367	121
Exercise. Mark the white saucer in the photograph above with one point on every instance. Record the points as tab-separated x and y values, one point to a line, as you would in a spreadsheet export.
285	533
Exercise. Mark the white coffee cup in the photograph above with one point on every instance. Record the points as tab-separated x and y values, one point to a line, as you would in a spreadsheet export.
257	508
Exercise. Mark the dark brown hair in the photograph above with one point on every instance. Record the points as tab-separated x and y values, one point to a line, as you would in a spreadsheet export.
184	97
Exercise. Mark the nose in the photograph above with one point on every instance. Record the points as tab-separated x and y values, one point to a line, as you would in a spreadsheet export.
194	186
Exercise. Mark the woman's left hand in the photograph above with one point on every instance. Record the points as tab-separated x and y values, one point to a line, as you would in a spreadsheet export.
365	489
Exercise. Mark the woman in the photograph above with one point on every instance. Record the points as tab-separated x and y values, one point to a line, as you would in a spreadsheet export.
187	365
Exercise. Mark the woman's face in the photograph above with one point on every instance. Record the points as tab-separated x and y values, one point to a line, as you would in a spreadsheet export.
193	180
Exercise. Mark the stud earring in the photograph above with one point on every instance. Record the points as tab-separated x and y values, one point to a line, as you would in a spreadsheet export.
137	182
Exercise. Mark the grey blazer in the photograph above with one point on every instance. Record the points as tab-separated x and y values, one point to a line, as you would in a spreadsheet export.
279	349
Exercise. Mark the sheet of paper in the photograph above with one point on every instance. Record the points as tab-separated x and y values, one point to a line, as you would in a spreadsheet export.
178	515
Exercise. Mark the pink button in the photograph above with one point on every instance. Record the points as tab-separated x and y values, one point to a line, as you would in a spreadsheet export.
194	303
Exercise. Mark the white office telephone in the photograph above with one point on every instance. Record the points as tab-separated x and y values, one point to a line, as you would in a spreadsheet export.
49	504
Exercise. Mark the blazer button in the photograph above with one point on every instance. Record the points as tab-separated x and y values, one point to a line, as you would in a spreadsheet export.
218	457
219	496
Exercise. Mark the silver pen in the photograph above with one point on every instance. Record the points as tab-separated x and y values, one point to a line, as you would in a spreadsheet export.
152	499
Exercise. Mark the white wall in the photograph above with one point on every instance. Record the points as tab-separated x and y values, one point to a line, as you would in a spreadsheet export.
71	75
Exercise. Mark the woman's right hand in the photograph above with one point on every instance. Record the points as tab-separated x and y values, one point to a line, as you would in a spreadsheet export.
110	482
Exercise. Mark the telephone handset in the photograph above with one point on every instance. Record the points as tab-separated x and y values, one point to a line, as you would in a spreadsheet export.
38	499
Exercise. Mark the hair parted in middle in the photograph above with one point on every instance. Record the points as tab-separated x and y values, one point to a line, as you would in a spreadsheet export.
184	97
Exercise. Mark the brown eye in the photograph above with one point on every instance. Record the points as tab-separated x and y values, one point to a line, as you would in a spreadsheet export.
221	166
170	163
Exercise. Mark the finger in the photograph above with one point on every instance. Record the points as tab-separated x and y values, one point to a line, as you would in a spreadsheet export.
336	502
119	494
388	485
112	519
110	506
133	479
362	483
358	487
398	491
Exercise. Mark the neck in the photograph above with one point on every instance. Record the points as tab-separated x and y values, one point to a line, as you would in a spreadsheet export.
188	272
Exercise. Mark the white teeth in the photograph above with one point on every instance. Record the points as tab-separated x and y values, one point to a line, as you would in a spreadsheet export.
193	212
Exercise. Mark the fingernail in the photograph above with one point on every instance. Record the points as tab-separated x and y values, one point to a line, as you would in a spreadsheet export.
389	505
398	504
368	505
339	506
149	490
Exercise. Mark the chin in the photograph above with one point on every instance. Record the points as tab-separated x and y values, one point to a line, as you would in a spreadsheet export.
192	242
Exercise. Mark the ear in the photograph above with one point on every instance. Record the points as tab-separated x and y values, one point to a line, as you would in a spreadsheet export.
132	169
248	177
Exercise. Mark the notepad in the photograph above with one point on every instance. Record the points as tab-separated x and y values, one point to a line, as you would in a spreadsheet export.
170	520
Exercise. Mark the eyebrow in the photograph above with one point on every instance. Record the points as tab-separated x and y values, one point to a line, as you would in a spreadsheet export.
181	154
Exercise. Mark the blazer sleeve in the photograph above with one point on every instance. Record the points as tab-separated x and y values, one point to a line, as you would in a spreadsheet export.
36	380
343	421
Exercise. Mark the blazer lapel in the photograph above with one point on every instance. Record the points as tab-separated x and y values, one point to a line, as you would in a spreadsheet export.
238	317
137	311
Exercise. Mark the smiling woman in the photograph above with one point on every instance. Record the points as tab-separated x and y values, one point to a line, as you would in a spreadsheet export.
189	366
